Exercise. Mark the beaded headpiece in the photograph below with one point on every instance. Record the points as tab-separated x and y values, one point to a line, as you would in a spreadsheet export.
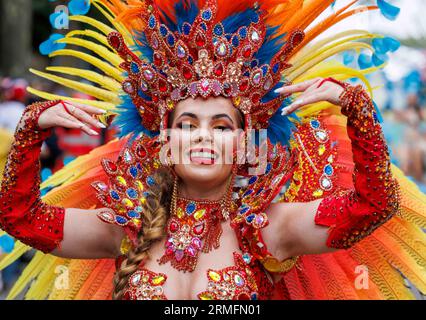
193	54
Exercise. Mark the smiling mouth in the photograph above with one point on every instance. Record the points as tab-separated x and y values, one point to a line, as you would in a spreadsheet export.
203	156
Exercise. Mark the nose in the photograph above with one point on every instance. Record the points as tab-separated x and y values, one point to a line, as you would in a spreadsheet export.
202	135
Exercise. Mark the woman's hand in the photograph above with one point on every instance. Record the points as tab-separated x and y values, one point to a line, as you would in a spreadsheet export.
71	115
315	90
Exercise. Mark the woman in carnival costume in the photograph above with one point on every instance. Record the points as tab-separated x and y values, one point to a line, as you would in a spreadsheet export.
159	213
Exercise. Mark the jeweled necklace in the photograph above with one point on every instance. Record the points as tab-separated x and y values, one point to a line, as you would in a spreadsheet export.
194	226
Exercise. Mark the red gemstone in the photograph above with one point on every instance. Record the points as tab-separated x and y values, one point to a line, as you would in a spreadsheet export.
244	84
169	251
108	199
297	38
198	229
174	226
200	40
155	98
115	42
162	85
158	59
141	151
247	52
111	166
218	70
187	73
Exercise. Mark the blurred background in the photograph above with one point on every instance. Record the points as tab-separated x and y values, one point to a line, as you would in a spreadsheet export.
400	88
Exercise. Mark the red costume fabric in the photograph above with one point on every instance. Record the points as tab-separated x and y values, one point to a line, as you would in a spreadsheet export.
22	213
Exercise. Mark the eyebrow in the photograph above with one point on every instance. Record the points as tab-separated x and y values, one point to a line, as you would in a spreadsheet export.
215	117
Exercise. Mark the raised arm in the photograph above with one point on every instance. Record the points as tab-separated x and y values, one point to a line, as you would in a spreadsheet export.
70	233
341	220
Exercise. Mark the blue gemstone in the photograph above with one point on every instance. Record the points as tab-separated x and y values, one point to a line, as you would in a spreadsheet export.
218	30
139	166
250	218
259	191
146	194
171	40
163	30
190	60
190	208
150	181
253	179
265	69
247	193
254	63
268	168
203	26
235	41
253	296
133	172
247	258
132	193
133	214
244	210
328	170
115	195
375	117
242	32
152	22
186	28
207	14
255	18
138	209
315	124
134	67
276	68
121	220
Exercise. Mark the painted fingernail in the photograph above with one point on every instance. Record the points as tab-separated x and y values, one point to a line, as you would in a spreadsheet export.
285	111
101	125
279	90
93	132
102	111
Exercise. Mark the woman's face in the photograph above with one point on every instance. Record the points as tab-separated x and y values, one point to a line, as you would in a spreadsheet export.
203	137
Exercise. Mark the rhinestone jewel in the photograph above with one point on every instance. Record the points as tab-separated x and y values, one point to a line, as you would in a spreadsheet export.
255	36
181	53
200	214
257	77
128	87
136	279
239	281
214	276
158	280
222	50
148	74
326	183
321	136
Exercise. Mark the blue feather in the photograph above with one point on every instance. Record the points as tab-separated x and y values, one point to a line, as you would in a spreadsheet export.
186	11
143	47
270	47
280	128
129	119
232	23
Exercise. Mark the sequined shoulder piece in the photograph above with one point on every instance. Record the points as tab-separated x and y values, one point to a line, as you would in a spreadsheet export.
128	179
255	198
316	174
